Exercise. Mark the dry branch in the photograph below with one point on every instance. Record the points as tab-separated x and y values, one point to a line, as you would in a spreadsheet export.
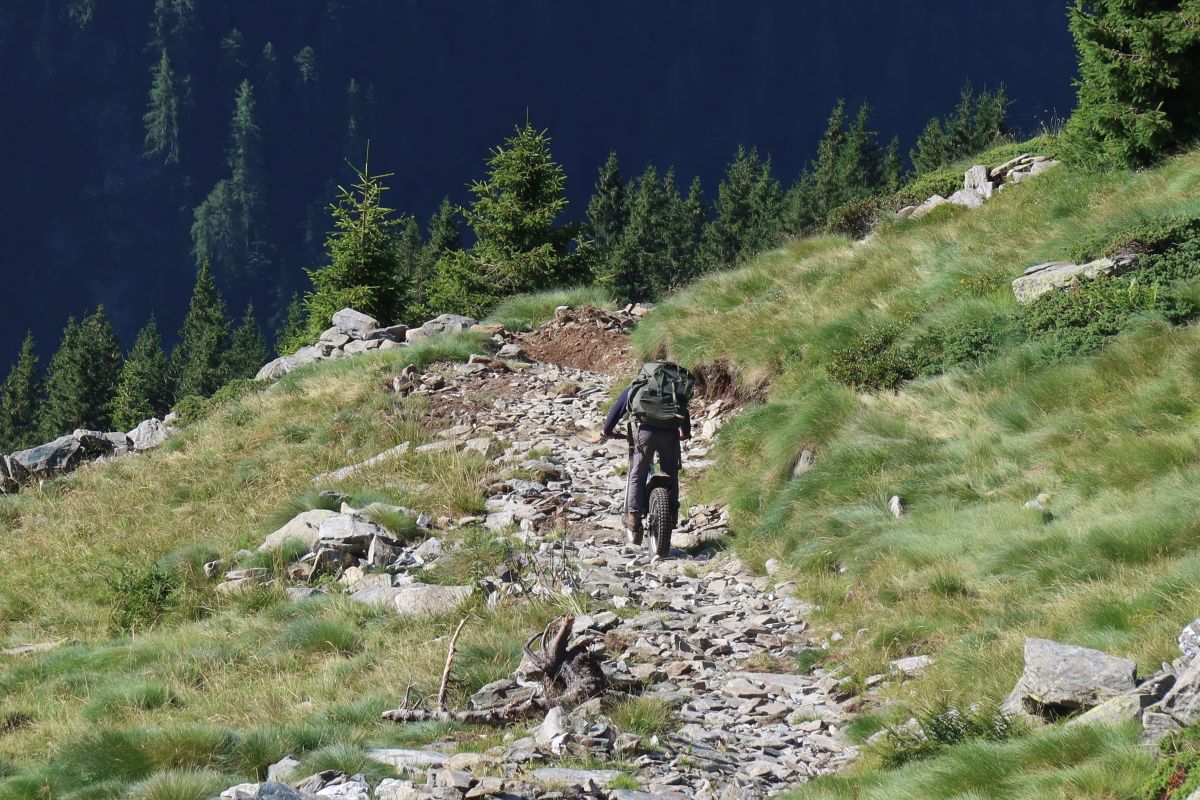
441	695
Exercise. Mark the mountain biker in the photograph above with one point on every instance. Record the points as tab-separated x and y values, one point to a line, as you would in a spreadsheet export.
656	434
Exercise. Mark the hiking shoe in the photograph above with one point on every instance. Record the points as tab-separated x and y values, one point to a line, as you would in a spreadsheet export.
633	523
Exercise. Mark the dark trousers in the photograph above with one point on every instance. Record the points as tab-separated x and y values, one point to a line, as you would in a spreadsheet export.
647	443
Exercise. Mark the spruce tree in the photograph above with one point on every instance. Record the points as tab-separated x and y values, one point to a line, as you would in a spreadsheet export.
20	398
412	270
144	387
931	150
101	368
640	261
607	211
748	212
197	361
891	170
82	379
443	229
227	226
247	349
64	406
1138	93
293	332
163	114
363	268
519	245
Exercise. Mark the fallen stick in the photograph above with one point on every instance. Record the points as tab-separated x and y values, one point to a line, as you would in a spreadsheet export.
441	695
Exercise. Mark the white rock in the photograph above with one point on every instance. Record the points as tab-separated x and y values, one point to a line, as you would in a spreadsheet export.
305	526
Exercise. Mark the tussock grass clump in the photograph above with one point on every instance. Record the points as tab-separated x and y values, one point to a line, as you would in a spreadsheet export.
645	716
528	311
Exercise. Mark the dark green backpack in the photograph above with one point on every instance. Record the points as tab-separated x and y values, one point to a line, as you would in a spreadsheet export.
659	395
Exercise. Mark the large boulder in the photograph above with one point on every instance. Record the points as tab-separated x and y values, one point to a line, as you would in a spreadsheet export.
305	526
444	323
284	364
976	177
926	207
354	324
967	198
148	434
53	458
1043	278
1060	679
350	533
415	599
94	443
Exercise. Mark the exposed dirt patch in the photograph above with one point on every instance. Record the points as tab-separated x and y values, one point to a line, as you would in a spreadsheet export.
585	338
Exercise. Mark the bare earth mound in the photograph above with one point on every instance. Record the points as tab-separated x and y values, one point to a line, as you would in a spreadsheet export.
589	339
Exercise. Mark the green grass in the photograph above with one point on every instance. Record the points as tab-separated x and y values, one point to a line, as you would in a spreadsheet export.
1092	762
162	688
967	573
530	310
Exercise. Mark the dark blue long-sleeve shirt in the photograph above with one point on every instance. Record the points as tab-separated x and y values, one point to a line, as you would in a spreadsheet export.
622	404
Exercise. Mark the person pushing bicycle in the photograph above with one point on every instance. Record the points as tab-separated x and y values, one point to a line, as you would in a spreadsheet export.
658	401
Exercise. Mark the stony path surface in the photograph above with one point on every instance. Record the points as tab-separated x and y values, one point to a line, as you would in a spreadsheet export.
695	635
708	637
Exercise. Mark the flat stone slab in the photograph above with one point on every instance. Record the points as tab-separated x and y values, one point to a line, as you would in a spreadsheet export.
1042	278
561	776
399	758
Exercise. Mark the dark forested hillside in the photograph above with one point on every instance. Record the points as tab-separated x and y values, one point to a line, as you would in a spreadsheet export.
119	119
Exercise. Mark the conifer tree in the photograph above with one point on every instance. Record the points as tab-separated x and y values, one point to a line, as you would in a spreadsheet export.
162	114
293	332
1139	80
247	349
101	368
519	246
64	405
443	229
226	232
82	378
144	386
891	172
197	361
607	211
363	268
683	224
412	270
20	398
640	262
977	122
931	150
748	212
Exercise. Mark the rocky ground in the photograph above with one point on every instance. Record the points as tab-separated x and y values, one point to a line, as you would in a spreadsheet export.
695	632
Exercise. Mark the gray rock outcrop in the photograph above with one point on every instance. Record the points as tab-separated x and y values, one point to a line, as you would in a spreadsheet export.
1043	278
1060	679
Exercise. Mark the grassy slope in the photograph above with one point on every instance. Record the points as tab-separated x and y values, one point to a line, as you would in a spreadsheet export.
968	573
222	685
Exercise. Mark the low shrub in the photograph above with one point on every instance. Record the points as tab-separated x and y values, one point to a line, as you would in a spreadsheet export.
1153	236
856	217
875	361
942	181
1083	319
141	596
1177	773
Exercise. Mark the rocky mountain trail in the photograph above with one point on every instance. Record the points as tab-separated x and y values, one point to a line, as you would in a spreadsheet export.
697	635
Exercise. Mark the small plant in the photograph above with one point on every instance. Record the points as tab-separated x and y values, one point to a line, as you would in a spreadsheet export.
625	781
1177	773
119	698
142	596
644	716
322	636
941	726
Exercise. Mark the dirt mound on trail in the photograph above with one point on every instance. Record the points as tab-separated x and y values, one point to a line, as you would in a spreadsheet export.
584	338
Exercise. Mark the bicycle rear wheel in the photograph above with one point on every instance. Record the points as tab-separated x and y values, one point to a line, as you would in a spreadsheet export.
659	522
